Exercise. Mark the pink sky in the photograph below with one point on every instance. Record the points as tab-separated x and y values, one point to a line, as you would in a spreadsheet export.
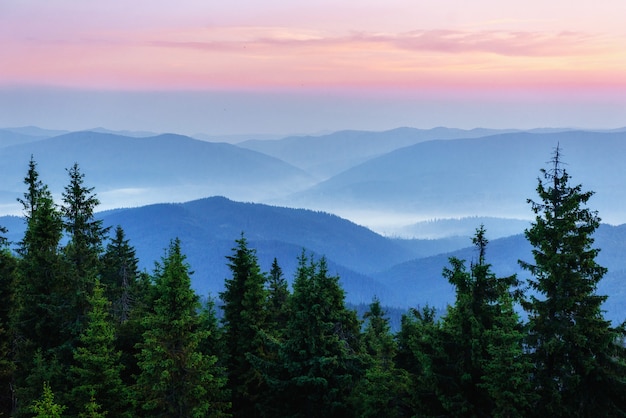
404	54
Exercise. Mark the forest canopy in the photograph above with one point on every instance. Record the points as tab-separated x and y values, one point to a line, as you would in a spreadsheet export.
84	333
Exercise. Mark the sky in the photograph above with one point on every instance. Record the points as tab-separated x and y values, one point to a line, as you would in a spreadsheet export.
276	67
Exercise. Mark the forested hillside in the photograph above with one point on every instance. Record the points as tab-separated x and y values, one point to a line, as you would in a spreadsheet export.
85	332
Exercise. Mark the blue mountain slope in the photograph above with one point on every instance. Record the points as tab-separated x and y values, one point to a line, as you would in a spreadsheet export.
154	169
327	155
421	281
489	176
396	271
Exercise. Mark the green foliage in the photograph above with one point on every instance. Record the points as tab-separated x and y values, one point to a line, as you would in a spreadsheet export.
321	352
8	272
277	303
176	378
116	342
98	367
384	389
39	325
119	275
579	365
474	330
245	321
45	407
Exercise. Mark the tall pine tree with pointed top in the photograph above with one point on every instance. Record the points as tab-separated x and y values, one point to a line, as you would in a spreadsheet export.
580	367
244	303
96	374
176	378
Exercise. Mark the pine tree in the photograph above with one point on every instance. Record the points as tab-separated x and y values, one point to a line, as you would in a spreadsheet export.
84	248
384	389
177	379
278	296
8	266
245	323
421	354
579	364
119	275
321	352
46	407
474	331
38	322
97	370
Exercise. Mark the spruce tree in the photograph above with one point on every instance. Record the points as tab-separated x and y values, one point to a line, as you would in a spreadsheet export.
579	361
482	337
38	319
278	295
245	323
119	275
421	354
176	378
321	354
97	371
8	272
84	247
384	389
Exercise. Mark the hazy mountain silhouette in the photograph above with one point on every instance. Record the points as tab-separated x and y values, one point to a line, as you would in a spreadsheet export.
135	171
489	176
327	155
401	273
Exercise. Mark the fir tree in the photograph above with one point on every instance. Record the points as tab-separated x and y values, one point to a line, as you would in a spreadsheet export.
45	406
38	323
245	323
579	364
278	295
421	354
84	247
97	370
384	389
8	272
321	352
176	378
475	330
119	275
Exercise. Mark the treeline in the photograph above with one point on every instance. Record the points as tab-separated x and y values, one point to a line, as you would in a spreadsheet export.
84	333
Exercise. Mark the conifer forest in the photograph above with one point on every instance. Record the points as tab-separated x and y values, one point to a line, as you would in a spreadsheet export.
84	333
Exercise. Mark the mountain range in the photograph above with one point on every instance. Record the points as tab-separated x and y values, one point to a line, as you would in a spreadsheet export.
402	273
360	199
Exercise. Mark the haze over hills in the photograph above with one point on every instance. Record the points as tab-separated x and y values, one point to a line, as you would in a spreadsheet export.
453	184
135	171
401	273
327	155
489	176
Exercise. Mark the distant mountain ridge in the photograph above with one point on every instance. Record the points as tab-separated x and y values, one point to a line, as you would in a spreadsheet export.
401	273
487	176
134	171
327	155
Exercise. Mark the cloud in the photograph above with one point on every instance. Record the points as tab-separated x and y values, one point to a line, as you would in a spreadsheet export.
505	43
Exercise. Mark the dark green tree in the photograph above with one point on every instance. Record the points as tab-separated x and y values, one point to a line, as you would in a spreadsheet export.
421	354
84	247
8	272
384	389
119	275
475	329
579	361
244	304
45	406
278	296
177	379
98	368
39	299
321	354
